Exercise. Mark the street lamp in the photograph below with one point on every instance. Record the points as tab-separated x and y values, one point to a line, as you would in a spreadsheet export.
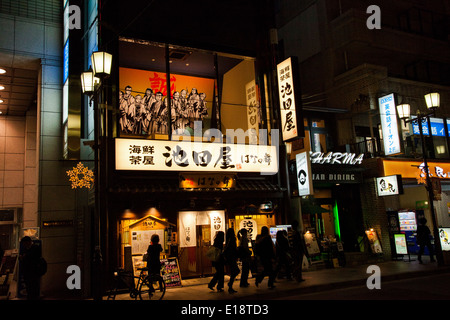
101	63
433	102
89	82
92	82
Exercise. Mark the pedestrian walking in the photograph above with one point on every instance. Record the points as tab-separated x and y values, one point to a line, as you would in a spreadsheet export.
153	255
245	256
298	250
29	258
282	254
265	249
231	255
423	239
219	264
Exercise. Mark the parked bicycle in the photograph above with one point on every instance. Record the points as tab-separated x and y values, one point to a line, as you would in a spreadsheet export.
145	286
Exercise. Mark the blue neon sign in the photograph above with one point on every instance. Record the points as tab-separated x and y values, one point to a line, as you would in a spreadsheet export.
437	128
66	62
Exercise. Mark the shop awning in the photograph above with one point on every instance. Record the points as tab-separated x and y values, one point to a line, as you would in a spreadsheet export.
312	208
172	186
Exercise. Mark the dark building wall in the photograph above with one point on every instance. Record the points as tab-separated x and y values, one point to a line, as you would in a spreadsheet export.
220	25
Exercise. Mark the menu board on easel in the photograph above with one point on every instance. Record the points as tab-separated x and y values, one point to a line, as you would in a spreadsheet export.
401	246
375	244
311	244
171	272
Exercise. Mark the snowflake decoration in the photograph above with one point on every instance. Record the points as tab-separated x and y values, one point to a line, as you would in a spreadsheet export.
81	176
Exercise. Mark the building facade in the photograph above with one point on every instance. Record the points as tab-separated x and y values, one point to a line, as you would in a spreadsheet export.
34	185
347	67
187	127
185	136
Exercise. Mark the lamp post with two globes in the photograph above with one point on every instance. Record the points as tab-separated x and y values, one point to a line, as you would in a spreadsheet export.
91	83
433	102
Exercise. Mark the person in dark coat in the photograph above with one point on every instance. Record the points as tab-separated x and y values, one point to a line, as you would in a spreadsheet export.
283	255
298	251
423	239
153	256
29	258
218	265
231	255
265	249
245	255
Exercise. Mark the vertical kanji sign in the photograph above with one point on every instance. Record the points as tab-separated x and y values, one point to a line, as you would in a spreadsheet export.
389	125
253	116
290	102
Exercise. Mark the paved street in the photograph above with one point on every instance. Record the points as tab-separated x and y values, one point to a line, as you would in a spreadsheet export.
320	284
433	287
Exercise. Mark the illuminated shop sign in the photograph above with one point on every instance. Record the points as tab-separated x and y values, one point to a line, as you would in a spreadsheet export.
290	106
331	167
253	112
211	181
400	243
445	240
251	226
66	62
388	186
304	176
336	158
437	127
389	125
337	177
159	155
416	169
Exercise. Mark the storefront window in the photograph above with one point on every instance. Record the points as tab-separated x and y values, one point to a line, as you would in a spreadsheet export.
167	92
316	137
240	100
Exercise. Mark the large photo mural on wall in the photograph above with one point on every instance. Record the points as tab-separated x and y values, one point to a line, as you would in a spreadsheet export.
143	102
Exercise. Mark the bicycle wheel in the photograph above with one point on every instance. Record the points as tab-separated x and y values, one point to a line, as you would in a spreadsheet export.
152	288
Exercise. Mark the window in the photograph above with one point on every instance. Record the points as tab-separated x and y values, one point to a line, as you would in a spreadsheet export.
205	90
316	137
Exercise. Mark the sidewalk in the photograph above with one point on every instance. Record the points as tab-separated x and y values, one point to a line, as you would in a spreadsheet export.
319	280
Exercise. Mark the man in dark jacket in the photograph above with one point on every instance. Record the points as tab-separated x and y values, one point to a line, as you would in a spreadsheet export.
423	239
29	258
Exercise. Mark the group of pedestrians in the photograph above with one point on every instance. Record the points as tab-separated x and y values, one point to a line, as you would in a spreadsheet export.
268	258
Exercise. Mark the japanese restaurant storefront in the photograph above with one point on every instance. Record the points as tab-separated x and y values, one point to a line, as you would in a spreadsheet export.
331	214
405	208
202	165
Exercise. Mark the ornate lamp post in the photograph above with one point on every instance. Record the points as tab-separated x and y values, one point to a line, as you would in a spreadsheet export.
91	82
433	102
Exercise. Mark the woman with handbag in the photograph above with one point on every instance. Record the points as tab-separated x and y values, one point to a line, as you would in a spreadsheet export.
231	256
219	264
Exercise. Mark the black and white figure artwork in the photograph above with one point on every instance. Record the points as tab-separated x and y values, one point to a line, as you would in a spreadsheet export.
147	114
